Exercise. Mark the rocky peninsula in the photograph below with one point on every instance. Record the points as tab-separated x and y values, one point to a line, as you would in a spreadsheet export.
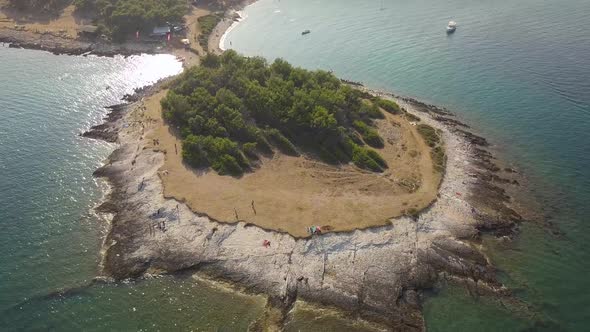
349	270
377	273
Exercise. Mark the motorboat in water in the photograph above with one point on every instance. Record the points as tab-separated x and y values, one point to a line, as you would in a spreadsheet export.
451	27
305	32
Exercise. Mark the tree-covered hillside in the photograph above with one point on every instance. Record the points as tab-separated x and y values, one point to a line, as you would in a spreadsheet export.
232	109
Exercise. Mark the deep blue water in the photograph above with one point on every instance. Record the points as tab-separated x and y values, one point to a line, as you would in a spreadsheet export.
518	72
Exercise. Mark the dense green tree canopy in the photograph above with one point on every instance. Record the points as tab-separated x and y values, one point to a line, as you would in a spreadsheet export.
232	109
125	17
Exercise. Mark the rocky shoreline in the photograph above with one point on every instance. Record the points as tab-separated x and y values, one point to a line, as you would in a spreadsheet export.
378	274
489	198
63	45
67	46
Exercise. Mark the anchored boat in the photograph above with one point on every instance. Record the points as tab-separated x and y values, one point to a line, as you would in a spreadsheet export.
451	27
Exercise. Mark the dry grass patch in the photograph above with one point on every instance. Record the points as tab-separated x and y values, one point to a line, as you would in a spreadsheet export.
291	193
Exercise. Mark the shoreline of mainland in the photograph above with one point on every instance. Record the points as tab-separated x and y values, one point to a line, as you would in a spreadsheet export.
64	42
412	253
60	45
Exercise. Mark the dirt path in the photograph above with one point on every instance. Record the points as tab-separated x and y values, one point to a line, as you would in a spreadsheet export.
191	57
430	177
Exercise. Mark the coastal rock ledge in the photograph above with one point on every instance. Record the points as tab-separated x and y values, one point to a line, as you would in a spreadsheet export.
377	274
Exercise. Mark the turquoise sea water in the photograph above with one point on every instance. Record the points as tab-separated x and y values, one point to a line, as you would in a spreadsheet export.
49	236
519	73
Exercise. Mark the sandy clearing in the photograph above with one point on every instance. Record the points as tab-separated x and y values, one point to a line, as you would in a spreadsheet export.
66	25
372	268
292	193
191	57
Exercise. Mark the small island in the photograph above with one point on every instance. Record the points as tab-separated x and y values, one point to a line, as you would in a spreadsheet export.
285	148
223	170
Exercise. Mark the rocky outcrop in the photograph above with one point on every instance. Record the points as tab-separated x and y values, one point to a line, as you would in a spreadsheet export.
108	130
377	273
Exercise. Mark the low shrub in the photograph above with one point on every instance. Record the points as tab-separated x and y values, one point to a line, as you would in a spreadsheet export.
370	135
221	154
412	117
377	158
367	159
370	110
250	150
429	134
438	158
207	24
389	105
281	142
227	164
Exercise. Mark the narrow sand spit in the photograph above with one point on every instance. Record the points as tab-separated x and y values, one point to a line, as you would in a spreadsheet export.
377	272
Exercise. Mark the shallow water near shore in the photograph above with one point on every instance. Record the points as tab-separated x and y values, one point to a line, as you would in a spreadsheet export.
519	73
511	70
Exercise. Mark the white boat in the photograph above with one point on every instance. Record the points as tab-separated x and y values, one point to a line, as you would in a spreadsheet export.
451	27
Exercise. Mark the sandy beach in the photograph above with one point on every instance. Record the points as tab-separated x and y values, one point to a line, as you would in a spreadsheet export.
231	18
